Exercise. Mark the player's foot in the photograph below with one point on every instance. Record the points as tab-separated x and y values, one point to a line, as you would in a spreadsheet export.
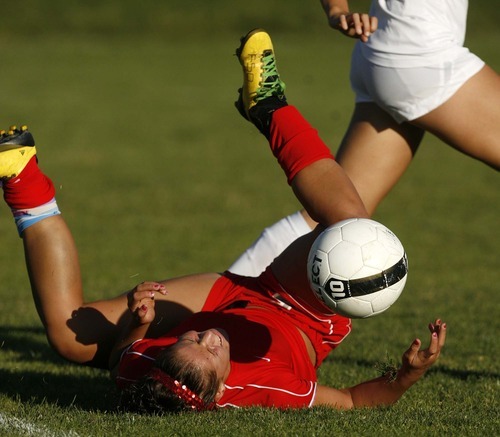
17	147
263	92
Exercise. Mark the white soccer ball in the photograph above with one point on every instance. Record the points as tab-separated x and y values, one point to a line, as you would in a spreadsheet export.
357	268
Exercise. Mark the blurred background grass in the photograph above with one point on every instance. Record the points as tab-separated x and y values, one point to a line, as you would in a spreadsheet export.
131	104
185	20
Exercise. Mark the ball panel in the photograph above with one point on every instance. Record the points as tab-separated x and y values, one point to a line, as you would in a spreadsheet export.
345	260
333	236
357	267
318	271
375	255
354	308
358	232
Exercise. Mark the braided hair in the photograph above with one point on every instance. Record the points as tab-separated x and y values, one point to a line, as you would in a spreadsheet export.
172	385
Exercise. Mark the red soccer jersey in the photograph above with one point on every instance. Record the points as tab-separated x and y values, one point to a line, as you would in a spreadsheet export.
269	361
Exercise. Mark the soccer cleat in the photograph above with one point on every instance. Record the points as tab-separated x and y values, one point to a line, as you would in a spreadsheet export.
263	91
17	147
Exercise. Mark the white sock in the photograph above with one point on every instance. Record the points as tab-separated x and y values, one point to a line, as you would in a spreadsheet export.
273	240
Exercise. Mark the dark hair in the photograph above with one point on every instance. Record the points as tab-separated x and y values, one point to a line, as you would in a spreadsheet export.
151	395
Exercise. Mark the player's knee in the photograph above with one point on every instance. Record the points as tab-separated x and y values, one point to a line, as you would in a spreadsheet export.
67	347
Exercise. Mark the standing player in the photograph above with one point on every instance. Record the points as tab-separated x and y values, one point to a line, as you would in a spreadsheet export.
411	74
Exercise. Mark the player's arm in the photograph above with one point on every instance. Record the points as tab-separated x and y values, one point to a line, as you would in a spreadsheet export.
386	390
141	304
352	24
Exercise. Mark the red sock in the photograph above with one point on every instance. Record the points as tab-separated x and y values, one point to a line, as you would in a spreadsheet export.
30	189
294	142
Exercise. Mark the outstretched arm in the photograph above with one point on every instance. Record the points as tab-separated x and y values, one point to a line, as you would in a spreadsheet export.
385	390
352	24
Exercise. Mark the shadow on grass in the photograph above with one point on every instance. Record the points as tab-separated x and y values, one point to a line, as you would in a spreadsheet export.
64	384
463	375
28	343
86	392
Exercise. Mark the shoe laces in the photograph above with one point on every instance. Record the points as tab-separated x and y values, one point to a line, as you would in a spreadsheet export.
271	84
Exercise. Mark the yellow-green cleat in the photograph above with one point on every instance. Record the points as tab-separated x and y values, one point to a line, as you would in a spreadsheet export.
17	147
262	86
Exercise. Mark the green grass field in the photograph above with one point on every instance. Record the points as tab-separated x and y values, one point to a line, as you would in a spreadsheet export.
158	176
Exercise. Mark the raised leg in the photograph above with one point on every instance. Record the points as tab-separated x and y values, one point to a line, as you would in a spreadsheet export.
320	184
80	332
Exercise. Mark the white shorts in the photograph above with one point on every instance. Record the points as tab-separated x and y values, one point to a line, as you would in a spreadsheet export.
409	93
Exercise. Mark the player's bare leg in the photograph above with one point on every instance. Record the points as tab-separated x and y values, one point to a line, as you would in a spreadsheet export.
54	272
469	120
376	151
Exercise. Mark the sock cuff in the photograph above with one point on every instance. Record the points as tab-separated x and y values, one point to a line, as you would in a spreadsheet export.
24	218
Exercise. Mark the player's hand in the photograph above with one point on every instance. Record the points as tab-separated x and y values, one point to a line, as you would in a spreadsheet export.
354	25
141	301
417	361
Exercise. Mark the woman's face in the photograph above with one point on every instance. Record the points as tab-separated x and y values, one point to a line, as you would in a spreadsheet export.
210	349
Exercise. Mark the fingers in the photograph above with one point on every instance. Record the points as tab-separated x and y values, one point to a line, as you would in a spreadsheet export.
438	336
343	24
437	340
357	25
416	361
143	292
151	286
364	25
412	351
141	301
142	311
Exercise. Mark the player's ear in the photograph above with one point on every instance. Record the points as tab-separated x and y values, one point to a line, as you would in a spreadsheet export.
220	391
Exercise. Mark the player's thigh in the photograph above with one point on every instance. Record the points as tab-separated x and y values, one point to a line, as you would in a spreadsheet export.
470	120
376	151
